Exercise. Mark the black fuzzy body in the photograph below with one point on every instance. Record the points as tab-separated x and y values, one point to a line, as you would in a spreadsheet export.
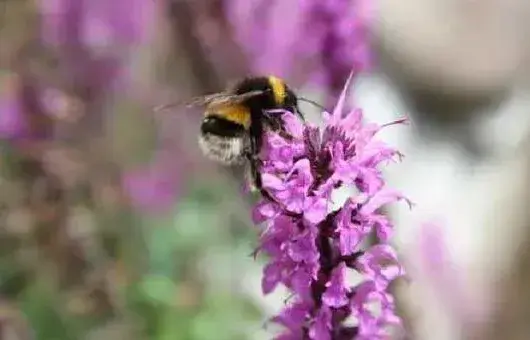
217	132
260	118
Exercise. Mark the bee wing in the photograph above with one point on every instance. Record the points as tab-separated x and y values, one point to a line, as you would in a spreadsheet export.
215	100
227	99
241	97
205	100
197	101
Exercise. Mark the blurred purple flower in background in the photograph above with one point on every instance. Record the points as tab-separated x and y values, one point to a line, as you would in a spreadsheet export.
283	37
21	110
311	245
94	42
464	302
152	187
89	40
12	123
93	39
337	31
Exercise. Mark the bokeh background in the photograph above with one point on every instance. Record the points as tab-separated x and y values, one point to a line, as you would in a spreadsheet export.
114	226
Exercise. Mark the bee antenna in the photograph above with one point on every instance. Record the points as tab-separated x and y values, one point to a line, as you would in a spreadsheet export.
302	99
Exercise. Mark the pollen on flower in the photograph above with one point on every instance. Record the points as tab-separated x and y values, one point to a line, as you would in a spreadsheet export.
311	244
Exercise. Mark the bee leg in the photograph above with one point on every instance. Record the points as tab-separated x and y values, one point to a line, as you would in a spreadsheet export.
254	165
253	174
254	162
258	184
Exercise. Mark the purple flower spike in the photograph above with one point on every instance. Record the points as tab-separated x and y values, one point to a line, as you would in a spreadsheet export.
312	247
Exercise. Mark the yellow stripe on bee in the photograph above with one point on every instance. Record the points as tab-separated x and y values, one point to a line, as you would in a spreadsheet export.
238	114
278	89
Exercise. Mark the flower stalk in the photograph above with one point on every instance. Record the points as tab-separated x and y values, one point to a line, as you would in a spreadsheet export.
314	244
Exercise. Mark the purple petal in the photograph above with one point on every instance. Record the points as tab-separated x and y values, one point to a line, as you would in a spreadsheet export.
371	325
294	315
337	151
293	201
294	126
315	209
303	249
383	227
375	153
271	277
339	107
335	294
349	239
321	328
363	292
277	233
264	211
303	170
290	335
381	198
351	124
300	281
380	264
271	182
369	180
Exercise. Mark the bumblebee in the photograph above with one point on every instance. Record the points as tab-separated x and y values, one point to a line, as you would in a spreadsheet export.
235	120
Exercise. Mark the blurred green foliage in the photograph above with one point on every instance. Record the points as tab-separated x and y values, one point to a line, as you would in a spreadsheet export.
167	276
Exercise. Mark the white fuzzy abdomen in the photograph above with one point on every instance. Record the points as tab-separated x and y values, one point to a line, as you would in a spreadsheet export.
226	150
